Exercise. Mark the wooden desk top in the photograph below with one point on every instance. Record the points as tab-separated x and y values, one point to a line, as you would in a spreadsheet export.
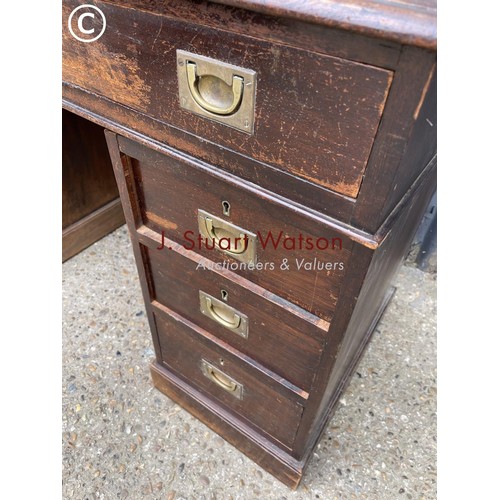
409	22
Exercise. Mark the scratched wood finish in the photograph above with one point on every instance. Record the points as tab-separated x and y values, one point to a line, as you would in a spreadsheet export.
171	191
411	22
125	188
413	67
167	170
129	123
282	30
316	116
177	281
330	378
420	149
183	349
366	288
405	140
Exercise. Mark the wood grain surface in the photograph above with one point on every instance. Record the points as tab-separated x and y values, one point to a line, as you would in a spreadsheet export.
87	174
282	340
183	350
344	147
170	191
91	207
233	429
316	116
411	22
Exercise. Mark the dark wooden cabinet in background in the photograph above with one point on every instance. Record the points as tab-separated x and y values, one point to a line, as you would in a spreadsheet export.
241	119
91	206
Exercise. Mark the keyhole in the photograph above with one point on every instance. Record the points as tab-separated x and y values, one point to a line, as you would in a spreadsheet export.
226	207
224	295
221	362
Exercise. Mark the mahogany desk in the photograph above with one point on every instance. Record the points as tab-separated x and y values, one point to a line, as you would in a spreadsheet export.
313	122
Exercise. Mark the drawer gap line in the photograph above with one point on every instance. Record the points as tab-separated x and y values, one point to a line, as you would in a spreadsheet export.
300	395
152	239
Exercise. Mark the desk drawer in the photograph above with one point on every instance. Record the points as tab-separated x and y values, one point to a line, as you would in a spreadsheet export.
285	253
235	383
280	336
316	116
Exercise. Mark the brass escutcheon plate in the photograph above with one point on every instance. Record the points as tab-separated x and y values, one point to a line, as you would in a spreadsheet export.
217	90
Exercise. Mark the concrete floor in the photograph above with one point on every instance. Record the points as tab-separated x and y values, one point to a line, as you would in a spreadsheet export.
124	439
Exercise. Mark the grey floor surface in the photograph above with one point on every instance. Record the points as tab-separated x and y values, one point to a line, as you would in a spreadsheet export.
124	439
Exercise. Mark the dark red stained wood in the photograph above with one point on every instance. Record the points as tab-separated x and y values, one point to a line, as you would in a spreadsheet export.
183	348
400	121
87	174
153	241
282	178
91	228
127	195
177	282
283	30
233	429
109	114
365	296
170	193
316	116
90	204
412	22
389	150
360	302
421	147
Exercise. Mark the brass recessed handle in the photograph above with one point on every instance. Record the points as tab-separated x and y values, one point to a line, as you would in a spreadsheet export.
217	91
212	93
238	240
234	241
224	314
221	379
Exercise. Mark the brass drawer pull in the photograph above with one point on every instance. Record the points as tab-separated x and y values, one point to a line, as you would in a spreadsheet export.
221	379
228	238
221	314
215	90
239	245
224	314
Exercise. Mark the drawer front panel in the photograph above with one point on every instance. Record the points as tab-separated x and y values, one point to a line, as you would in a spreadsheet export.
232	382
288	341
288	246
316	116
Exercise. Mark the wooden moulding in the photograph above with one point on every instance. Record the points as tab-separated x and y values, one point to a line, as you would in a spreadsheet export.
307	104
91	228
232	429
411	22
91	207
270	457
362	298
